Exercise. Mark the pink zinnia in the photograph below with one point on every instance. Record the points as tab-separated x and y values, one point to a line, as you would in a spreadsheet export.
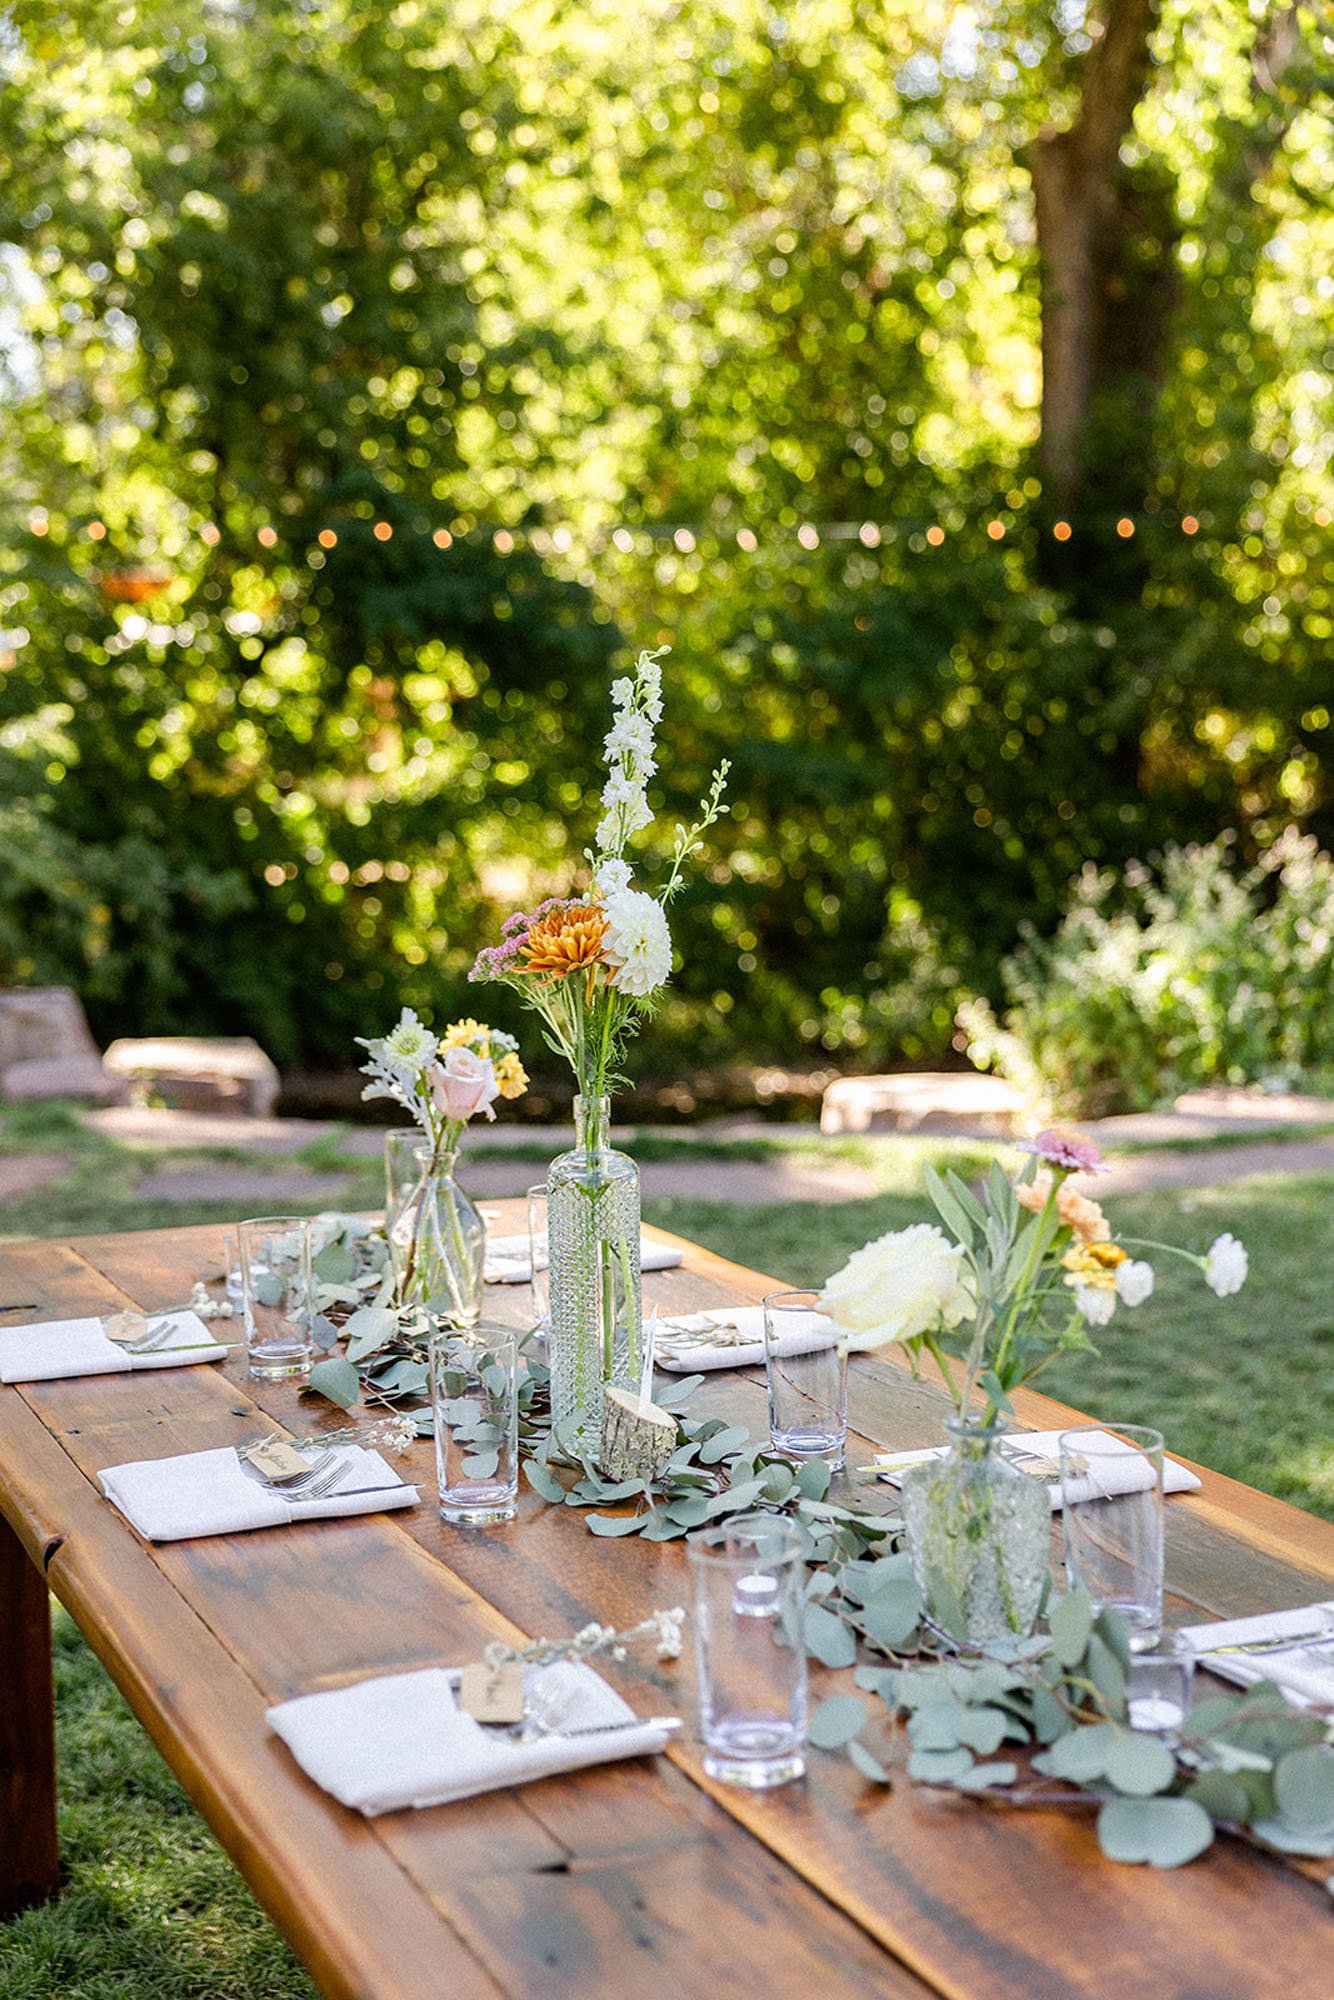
1066	1149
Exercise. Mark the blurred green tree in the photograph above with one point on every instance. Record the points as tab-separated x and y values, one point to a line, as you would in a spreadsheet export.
410	355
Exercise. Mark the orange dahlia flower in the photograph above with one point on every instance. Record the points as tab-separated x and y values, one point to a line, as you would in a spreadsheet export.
565	940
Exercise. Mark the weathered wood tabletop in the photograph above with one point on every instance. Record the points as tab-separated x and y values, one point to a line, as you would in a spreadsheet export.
636	1878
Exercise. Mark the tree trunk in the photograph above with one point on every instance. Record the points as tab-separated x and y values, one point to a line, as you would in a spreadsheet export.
1087	223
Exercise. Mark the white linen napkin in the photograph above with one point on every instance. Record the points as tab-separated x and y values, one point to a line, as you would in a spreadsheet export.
402	1740
508	1259
59	1347
1043	1449
1308	1676
211	1493
740	1342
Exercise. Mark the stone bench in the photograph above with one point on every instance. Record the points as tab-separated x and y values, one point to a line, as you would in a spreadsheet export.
46	1050
927	1101
198	1072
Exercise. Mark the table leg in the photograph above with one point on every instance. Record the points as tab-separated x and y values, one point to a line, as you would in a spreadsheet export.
29	1855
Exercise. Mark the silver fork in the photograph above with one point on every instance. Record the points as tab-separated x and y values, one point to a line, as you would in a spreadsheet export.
159	1335
316	1484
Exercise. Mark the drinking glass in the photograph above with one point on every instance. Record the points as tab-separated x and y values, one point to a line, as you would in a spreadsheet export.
475	1401
1112	1511
231	1265
539	1255
748	1574
407	1155
276	1295
808	1391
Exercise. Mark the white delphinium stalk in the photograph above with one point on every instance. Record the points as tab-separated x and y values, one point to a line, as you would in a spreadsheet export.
629	747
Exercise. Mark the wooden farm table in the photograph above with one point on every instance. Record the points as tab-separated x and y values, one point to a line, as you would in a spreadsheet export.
637	1878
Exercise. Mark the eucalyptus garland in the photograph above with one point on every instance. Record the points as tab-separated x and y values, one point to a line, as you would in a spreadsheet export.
1251	1764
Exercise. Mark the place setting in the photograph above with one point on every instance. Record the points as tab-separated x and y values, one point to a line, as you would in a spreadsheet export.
275	1482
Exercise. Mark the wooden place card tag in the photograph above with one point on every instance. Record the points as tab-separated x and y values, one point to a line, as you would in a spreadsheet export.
125	1328
277	1460
492	1694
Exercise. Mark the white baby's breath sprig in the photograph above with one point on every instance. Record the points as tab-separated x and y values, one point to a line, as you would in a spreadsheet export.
663	1627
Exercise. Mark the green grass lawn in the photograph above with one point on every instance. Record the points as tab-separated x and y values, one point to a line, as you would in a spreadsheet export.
153	1911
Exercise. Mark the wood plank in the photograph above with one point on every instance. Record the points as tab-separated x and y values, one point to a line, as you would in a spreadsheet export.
29	1854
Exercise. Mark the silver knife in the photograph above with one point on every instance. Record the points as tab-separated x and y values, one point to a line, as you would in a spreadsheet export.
344	1492
1324	1636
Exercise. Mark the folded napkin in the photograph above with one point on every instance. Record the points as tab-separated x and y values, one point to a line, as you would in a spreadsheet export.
211	1493
59	1347
740	1338
508	1259
402	1740
1308	1676
1040	1451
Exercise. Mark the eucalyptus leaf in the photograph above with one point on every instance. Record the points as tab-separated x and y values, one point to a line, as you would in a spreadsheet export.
670	1396
334	1265
983	1730
1304	1788
368	1330
1107	1673
615	1524
1081	1755
1164	1832
337	1379
1221	1796
723	1444
892	1616
480	1465
828	1638
986	1777
938	1725
1049	1718
1138	1764
543	1481
324	1333
1070	1621
836	1721
939	1767
869	1766
813	1478
1292	1840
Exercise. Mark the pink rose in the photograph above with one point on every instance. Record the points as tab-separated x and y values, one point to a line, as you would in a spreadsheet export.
463	1084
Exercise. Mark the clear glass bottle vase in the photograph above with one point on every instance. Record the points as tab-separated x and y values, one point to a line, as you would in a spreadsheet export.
593	1277
978	1532
437	1241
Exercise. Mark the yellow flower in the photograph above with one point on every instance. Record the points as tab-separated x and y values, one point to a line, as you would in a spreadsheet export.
511	1076
474	1035
1094	1265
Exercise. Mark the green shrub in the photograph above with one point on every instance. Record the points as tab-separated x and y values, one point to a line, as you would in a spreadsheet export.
1158	981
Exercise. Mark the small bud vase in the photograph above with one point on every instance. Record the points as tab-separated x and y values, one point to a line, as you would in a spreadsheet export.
978	1533
437	1241
594	1278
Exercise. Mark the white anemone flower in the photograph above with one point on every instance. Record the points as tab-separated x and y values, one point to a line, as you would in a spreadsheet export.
1096	1303
1134	1282
1226	1265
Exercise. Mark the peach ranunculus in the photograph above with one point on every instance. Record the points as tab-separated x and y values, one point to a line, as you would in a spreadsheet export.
462	1085
1082	1217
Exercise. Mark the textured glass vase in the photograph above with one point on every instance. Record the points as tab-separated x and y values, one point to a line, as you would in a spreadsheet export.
438	1244
978	1534
593	1229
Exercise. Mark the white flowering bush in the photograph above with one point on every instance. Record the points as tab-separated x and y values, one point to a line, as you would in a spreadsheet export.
1157	982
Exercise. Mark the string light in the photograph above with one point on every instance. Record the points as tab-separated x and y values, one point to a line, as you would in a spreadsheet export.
382	531
268	536
97	531
1125	527
935	536
1189	525
327	539
996	531
1062	531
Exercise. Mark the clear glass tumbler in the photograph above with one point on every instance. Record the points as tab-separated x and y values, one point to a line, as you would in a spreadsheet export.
1158	1686
1112	1515
474	1396
807	1378
539	1256
276	1295
748	1574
